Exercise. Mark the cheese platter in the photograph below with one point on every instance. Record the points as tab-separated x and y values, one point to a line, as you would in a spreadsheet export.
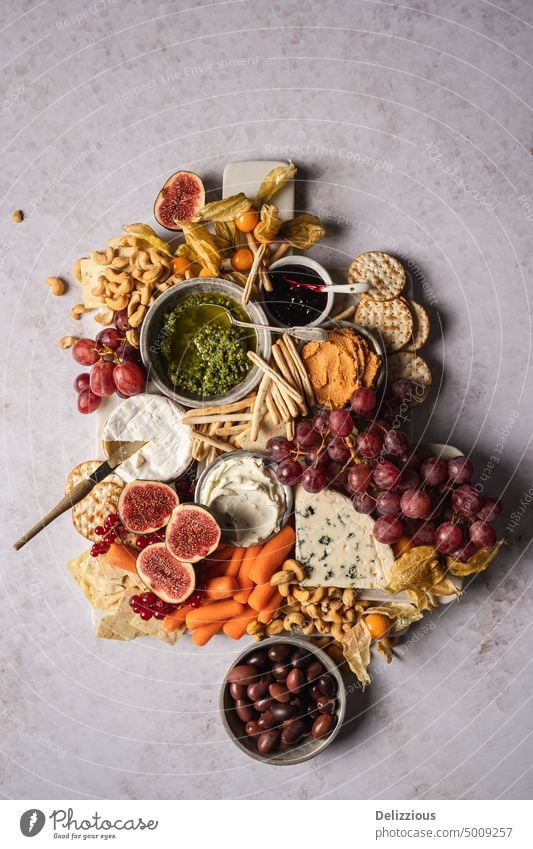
275	491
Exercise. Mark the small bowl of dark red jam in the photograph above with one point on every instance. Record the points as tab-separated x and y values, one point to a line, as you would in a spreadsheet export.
293	301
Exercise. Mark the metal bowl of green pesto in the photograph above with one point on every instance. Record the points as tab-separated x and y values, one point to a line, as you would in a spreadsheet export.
192	352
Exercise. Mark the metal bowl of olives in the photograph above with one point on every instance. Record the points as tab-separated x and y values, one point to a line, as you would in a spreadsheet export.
283	700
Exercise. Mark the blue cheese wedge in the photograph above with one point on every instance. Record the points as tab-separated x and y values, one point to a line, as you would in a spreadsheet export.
335	544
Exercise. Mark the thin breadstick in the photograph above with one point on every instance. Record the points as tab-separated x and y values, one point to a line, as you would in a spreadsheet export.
293	372
232	430
189	275
279	400
278	253
280	362
290	430
277	378
211	455
304	377
246	292
258	407
218	418
272	409
209	440
221	408
344	314
194	449
252	244
265	280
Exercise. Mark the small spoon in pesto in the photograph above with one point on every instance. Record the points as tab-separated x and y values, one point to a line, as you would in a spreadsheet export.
307	334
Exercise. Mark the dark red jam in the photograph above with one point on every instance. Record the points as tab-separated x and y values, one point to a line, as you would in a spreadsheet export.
292	304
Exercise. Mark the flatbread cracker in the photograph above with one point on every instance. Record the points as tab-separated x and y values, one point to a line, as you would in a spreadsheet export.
392	320
383	272
408	364
420	326
117	625
93	509
101	584
83	470
154	628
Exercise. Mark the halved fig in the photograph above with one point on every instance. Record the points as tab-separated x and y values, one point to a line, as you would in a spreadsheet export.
192	533
146	506
179	200
167	577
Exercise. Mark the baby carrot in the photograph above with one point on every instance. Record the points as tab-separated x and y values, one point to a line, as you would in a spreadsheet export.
261	596
217	611
243	578
175	619
236	627
121	556
267	613
234	564
221	587
202	635
274	552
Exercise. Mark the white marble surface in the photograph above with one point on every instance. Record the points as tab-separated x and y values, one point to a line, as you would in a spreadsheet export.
386	108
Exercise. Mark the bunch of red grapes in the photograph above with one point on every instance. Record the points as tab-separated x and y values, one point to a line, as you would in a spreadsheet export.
408	490
115	366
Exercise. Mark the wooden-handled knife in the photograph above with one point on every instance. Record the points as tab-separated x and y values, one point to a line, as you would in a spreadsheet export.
121	451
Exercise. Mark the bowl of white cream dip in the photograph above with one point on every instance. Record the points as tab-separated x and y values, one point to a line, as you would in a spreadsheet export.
242	492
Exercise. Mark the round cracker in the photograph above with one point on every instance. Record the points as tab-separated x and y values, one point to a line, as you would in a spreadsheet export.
409	365
92	510
83	470
420	326
391	319
383	272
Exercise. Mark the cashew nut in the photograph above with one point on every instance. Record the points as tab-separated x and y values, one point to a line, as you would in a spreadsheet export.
117	303
143	260
275	627
280	578
318	594
76	271
132	338
308	629
116	276
334	592
294	620
146	294
321	626
136	319
77	311
122	288
100	287
105	317
337	633
284	590
312	611
135	300
67	341
162	287
120	262
253	628
296	568
57	285
350	616
349	597
99	257
301	595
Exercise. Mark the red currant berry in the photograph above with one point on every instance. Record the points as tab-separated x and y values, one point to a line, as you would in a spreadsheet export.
135	600
99	530
148	599
196	603
141	542
110	536
146	615
158	614
113	518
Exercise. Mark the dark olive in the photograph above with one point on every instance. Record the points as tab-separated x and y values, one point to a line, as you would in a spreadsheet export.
282	712
300	705
242	674
326	704
280	651
252	728
244	710
312	712
322	725
292	731
266	721
237	691
314	692
327	685
279	692
300	658
280	671
295	680
258	659
263	704
313	671
267	742
258	689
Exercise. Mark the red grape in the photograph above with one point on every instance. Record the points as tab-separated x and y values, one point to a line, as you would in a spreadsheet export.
110	338
424	534
121	320
413	457
128	378
278	448
340	423
84	352
434	471
321	421
369	443
438	505
306	435
288	471
128	354
82	382
464	552
388	529
388	504
460	469
363	503
363	401
403	389
358	478
490	510
482	534
415	503
317	457
102	382
313	480
409	479
338	451
336	474
395	443
466	501
386	475
448	538
88	402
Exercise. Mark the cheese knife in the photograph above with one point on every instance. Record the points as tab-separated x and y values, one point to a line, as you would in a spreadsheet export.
121	451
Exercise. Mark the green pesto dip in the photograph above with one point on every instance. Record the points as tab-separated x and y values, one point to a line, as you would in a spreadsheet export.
201	352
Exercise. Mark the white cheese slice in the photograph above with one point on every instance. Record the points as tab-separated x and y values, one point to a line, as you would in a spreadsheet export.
336	545
159	421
